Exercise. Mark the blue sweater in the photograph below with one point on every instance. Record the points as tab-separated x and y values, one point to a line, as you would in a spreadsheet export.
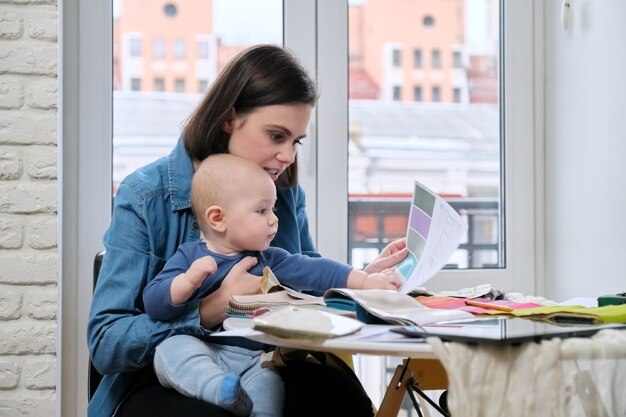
294	270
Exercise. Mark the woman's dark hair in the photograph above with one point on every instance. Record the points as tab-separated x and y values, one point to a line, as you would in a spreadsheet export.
261	75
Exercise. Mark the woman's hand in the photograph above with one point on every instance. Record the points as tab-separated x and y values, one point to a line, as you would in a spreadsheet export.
393	254
238	281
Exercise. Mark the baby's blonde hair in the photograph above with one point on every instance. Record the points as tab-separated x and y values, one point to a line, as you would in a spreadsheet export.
216	180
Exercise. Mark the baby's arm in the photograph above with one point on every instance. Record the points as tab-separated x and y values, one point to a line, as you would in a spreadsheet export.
185	284
386	280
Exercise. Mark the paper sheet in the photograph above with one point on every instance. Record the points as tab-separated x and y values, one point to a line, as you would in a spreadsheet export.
434	232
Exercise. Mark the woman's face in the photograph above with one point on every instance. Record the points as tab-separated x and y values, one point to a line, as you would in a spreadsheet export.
269	135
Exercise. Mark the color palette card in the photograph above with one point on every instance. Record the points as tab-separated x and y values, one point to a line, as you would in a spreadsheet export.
434	232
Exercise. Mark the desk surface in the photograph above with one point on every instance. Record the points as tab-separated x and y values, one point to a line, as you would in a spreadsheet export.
371	339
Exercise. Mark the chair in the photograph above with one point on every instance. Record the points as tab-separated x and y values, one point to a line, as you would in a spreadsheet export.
154	400
94	376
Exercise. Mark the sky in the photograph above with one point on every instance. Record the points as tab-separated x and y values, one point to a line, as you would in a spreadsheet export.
243	22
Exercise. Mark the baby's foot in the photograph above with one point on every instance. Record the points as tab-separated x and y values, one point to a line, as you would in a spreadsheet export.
233	397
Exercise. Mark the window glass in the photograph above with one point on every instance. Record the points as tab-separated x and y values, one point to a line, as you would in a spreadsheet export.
417	58
417	93
158	48
159	84
146	126
449	140
435	59
180	48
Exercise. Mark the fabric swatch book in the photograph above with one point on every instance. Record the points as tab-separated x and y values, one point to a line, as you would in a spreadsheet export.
388	306
273	295
305	323
575	314
434	232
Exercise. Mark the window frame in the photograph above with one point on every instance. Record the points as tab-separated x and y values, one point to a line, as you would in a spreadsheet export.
316	31
518	158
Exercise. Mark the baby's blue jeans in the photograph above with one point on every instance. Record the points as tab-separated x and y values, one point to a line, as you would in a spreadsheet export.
192	366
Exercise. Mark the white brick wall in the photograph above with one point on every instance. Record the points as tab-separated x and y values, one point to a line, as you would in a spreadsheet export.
28	207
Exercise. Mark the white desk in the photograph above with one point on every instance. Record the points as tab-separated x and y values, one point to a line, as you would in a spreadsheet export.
395	345
574	377
426	368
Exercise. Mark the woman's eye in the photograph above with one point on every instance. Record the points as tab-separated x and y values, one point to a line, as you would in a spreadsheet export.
297	142
276	137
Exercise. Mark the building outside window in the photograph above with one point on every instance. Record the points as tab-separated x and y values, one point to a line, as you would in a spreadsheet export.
158	48
179	85
435	94
135	84
180	48
417	93
397	93
457	94
397	57
435	59
417	58
202	86
457	59
135	47
203	49
159	84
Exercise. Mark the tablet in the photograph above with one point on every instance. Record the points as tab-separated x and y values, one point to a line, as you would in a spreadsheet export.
502	330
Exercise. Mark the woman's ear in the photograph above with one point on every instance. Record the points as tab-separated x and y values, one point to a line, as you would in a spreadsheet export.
229	123
215	218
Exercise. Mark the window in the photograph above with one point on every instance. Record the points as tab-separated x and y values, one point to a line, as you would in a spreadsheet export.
135	47
327	198
203	49
180	48
179	85
417	93
397	93
435	59
159	84
428	21
202	86
457	59
404	141
417	58
170	10
397	57
158	48
435	94
457	95
135	84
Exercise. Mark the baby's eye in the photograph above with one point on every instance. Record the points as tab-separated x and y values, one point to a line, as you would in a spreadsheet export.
262	211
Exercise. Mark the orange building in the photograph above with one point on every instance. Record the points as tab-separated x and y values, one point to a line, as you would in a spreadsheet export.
411	50
164	46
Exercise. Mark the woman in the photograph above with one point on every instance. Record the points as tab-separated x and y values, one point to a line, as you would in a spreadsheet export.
258	108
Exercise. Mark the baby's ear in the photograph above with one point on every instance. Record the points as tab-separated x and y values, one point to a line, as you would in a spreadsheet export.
215	218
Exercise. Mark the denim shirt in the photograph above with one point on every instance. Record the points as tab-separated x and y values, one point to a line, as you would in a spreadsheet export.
151	217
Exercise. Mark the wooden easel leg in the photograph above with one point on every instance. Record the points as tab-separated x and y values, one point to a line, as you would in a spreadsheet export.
392	401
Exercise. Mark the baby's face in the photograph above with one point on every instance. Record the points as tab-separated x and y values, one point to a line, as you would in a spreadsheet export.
250	220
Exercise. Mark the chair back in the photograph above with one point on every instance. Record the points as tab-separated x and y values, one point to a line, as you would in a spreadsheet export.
94	376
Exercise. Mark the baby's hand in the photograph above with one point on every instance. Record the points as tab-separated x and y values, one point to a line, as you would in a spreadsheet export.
200	269
386	280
